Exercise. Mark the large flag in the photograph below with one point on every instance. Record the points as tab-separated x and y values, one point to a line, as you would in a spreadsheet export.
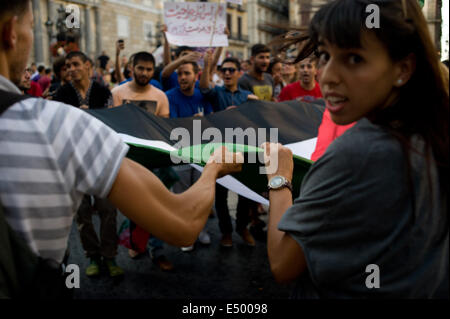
159	142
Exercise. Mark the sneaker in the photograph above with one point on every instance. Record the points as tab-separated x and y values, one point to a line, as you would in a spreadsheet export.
186	249
247	237
226	240
204	238
114	270
94	267
163	263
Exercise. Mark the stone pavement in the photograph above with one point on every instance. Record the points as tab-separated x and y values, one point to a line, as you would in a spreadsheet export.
207	272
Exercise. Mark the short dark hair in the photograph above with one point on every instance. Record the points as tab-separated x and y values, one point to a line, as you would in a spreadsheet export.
232	60
259	48
48	71
181	49
41	68
58	65
15	7
194	65
77	54
143	56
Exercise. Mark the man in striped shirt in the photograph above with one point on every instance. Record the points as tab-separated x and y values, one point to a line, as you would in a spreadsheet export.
52	154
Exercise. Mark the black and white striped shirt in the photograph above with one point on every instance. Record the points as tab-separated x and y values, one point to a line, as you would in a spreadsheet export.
51	154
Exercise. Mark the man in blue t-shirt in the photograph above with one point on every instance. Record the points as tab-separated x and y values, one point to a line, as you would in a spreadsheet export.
169	76
186	100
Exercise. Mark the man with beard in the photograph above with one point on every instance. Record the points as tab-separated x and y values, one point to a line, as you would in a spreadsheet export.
139	91
32	88
257	80
306	89
183	54
25	81
185	101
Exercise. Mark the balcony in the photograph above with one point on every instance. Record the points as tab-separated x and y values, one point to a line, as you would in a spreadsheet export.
240	8
264	26
239	37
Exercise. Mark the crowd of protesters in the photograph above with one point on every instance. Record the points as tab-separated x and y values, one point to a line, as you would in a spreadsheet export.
179	87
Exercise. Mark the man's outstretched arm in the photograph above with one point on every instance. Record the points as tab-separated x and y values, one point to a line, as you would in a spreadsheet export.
174	218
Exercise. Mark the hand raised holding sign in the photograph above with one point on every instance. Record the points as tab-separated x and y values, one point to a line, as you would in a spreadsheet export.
193	56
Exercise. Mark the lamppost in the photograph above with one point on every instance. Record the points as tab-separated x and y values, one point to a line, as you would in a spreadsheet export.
49	27
61	21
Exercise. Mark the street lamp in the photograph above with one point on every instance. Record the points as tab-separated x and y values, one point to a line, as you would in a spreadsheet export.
60	25
49	26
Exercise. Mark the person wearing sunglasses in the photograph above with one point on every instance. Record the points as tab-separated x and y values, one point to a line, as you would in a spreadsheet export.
230	94
225	97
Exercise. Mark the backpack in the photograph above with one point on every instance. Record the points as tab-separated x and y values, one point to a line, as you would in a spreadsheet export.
23	274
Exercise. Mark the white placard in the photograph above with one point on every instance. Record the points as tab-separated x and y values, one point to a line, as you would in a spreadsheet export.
191	23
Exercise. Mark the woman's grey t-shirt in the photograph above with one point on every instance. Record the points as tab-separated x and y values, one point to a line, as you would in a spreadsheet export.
355	209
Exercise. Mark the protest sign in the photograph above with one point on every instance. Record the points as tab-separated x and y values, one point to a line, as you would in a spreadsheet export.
192	23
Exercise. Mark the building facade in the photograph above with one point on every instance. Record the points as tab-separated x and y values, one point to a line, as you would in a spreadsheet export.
302	11
264	19
101	24
237	24
432	10
137	22
445	31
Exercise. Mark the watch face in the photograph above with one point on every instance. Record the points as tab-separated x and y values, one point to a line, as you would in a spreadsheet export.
276	182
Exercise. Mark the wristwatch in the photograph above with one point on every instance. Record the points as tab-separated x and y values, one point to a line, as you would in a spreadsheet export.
279	182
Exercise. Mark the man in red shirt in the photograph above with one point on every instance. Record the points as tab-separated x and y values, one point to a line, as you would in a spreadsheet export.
306	89
45	80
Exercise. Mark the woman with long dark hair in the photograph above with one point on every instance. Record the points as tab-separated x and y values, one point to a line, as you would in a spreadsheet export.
371	219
